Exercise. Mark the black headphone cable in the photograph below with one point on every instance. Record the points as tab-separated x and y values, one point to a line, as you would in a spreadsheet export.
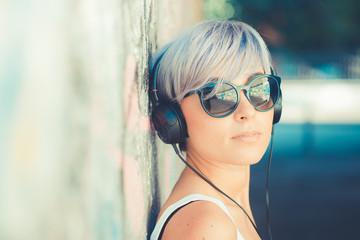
267	184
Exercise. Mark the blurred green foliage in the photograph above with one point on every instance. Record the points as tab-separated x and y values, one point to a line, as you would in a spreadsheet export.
315	25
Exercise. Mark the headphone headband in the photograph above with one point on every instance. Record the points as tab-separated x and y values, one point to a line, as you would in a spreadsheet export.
153	88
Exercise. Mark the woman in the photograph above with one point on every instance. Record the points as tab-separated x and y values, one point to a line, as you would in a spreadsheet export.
213	93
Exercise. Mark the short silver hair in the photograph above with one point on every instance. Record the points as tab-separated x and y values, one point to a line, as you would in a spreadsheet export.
226	50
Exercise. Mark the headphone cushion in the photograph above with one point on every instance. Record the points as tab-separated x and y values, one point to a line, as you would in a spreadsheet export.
278	110
169	122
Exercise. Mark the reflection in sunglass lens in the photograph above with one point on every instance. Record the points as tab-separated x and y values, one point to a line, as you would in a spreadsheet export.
263	93
259	93
220	103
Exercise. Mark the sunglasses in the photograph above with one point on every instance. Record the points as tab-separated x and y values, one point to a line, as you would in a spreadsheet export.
221	100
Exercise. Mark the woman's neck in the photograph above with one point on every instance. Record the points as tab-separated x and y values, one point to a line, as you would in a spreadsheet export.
231	179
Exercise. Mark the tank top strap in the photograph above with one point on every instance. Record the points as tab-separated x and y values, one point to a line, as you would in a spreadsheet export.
172	209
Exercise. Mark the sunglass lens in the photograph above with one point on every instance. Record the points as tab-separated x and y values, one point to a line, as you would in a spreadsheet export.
263	93
220	101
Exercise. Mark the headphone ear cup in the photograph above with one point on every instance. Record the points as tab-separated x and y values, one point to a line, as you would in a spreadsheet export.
169	122
277	110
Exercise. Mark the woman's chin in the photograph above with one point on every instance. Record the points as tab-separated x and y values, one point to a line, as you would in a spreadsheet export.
246	159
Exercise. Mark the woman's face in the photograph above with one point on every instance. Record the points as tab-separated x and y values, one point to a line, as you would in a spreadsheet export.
240	138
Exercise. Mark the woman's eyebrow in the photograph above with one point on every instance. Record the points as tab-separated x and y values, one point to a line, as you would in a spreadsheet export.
251	77
214	79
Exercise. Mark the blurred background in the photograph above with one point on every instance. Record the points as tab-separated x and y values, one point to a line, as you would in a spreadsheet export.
78	158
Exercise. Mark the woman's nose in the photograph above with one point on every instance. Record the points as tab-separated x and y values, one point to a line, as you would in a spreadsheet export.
244	109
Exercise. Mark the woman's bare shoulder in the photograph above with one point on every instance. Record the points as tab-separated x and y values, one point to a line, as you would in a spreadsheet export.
200	220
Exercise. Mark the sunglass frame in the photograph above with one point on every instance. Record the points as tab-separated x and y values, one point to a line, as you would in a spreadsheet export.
238	89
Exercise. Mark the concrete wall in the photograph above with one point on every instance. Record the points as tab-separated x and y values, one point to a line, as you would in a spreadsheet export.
77	156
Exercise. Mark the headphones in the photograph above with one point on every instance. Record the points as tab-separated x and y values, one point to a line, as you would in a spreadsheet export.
167	117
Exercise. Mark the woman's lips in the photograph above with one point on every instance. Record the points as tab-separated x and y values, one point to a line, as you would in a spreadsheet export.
248	136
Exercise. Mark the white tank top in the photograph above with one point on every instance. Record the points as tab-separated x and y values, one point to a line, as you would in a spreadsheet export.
171	210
